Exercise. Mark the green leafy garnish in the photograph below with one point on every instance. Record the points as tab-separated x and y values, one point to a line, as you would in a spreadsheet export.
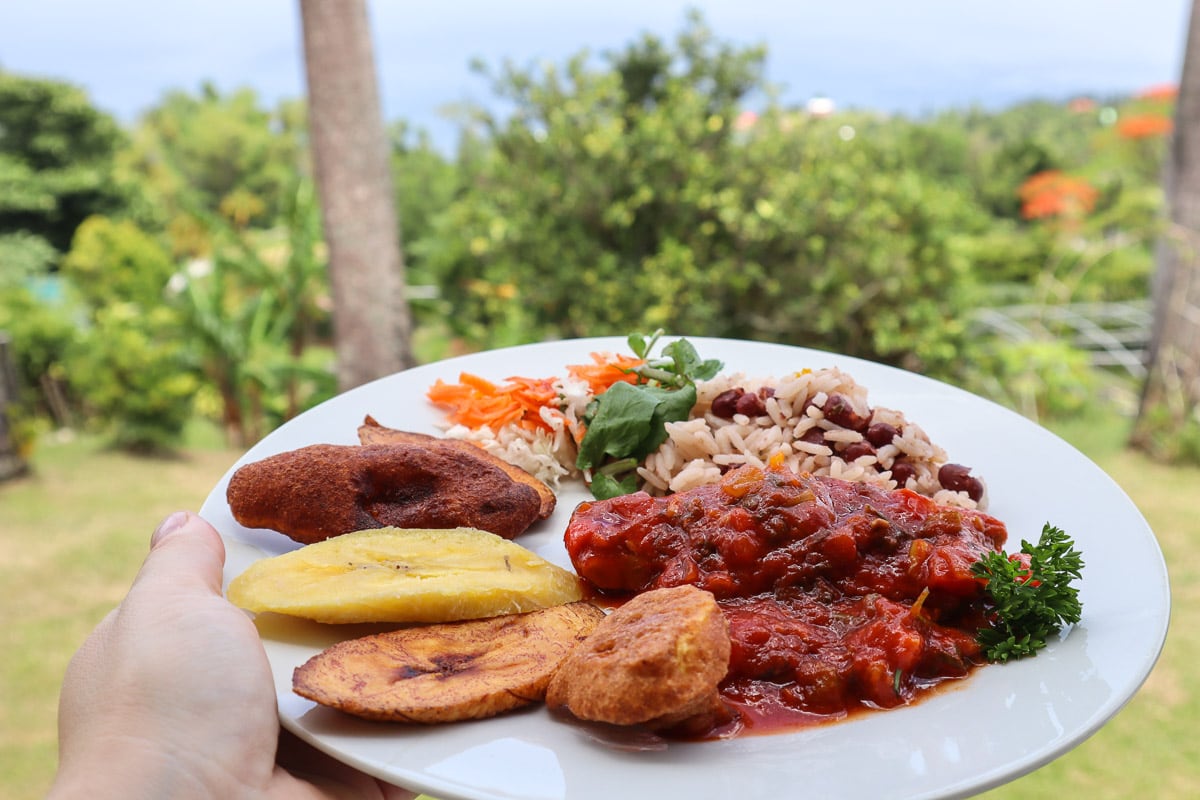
678	366
1030	594
628	421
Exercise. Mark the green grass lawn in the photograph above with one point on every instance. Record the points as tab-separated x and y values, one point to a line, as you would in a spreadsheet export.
75	532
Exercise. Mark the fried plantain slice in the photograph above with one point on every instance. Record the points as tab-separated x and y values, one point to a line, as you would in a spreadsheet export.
371	432
447	672
404	575
656	661
325	490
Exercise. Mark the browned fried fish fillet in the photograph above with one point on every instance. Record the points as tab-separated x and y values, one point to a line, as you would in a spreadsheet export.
447	672
325	490
371	432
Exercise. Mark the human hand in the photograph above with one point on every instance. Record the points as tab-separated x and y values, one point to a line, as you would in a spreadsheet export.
172	695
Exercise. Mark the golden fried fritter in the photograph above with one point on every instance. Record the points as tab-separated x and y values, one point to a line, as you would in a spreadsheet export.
447	672
325	490
371	432
656	660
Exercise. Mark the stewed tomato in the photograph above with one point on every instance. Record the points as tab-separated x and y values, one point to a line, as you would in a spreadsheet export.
839	595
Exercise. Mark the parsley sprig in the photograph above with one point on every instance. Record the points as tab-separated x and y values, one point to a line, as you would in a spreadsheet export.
627	422
1030	594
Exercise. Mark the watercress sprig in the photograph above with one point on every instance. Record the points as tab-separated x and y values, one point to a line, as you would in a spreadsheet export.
628	421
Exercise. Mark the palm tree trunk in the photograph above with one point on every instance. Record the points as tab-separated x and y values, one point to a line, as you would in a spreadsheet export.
1171	394
351	156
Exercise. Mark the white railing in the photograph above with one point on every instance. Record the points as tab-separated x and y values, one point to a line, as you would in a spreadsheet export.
1116	334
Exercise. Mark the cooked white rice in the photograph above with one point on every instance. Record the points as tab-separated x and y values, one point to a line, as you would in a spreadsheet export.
700	449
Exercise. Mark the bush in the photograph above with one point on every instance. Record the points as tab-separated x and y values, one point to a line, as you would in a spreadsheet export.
620	200
1040	378
132	373
114	261
41	333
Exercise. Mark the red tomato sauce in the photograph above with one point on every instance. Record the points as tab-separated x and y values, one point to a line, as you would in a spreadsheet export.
839	596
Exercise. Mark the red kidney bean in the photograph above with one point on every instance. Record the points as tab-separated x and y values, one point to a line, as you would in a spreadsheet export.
902	471
840	411
750	405
814	435
724	405
881	434
857	450
958	478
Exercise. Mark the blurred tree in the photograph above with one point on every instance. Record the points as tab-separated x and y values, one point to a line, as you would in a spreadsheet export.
113	261
134	376
126	365
623	198
214	153
350	154
56	167
230	188
568	200
425	184
1168	420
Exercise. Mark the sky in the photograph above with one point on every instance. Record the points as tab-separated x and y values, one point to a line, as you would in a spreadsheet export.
911	57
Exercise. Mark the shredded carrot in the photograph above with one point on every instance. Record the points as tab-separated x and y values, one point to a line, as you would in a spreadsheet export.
477	402
606	371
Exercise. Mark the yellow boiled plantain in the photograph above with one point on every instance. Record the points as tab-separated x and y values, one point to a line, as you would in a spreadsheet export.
404	575
447	672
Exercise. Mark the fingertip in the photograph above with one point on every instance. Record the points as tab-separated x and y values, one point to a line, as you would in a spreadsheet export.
186	543
169	525
184	522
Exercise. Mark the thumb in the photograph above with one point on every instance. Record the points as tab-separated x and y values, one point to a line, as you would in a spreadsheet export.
185	553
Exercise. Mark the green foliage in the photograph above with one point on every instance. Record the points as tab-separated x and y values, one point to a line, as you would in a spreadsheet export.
615	192
40	333
425	183
1166	432
56	159
132	371
24	255
115	261
129	367
579	213
1044	378
228	181
620	199
225	154
842	252
251	312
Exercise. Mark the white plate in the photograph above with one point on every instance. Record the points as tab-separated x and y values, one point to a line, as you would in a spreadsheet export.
1001	723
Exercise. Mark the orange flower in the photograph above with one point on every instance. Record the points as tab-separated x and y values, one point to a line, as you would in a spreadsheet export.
1144	126
1053	193
1161	91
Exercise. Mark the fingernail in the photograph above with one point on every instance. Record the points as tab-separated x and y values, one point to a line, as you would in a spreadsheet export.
168	526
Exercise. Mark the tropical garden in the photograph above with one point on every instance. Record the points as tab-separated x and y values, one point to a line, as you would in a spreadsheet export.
175	269
166	282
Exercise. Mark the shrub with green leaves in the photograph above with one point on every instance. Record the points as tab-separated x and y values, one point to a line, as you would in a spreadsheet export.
40	333
1040	378
133	373
626	198
113	261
